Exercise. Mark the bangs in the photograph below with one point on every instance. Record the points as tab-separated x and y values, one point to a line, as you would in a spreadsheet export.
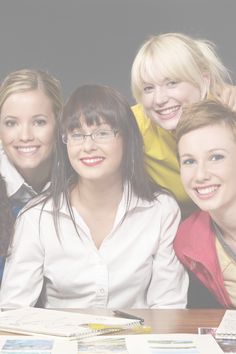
174	61
91	116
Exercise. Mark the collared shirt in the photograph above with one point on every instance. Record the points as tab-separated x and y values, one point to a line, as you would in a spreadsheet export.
18	190
135	266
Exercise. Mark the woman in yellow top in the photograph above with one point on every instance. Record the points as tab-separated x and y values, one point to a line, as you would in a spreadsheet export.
169	71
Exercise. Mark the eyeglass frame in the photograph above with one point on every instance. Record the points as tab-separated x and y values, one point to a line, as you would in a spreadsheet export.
91	135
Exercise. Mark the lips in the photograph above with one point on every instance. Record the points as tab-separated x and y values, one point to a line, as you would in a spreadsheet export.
168	113
206	191
92	161
27	149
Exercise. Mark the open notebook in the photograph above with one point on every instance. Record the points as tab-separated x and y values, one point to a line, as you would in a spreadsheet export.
63	324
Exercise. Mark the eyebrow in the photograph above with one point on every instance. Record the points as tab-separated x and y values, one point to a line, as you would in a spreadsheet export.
35	116
208	151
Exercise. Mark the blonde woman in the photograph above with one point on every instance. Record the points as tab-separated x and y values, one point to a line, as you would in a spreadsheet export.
30	102
171	71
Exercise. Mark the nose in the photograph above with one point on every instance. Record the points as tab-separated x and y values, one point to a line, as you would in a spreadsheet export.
202	172
160	96
88	143
26	133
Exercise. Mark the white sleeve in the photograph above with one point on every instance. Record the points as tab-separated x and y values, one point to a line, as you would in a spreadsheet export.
169	283
23	274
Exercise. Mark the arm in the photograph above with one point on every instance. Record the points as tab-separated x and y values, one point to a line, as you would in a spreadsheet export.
23	274
169	283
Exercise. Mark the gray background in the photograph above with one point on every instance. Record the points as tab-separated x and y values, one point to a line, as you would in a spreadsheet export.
95	41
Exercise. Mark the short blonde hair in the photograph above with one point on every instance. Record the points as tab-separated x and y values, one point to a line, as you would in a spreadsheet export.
181	58
205	113
26	80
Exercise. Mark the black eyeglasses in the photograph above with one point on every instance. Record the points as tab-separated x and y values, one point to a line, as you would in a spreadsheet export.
98	136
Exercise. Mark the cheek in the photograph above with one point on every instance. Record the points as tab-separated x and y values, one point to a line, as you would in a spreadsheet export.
146	100
186	176
48	136
7	136
190	95
71	156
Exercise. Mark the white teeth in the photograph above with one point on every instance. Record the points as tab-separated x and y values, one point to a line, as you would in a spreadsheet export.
27	149
92	160
206	190
168	110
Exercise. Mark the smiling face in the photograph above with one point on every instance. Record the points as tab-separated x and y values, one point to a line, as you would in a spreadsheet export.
96	160
27	129
163	99
208	167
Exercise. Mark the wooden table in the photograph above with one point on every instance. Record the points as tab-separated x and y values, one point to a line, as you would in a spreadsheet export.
179	321
172	321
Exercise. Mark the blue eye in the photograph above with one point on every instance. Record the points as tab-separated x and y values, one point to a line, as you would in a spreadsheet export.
188	162
217	157
10	123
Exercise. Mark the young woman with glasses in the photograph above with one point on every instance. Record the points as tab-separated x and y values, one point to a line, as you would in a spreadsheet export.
104	235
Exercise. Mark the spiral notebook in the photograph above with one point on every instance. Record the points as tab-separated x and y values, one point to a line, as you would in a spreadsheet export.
227	327
63	324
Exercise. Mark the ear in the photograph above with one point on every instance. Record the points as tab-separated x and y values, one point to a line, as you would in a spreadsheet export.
205	85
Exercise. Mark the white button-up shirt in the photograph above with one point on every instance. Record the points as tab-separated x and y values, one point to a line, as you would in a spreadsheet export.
14	180
18	190
135	266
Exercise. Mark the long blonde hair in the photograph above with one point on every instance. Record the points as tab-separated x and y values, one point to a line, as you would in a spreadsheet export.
181	58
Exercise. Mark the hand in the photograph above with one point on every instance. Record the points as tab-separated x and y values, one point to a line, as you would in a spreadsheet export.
228	96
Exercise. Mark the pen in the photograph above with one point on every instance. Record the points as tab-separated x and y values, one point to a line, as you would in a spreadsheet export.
127	315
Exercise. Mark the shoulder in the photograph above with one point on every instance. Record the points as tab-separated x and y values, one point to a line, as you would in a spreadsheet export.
192	229
196	221
36	207
142	119
167	200
166	206
12	177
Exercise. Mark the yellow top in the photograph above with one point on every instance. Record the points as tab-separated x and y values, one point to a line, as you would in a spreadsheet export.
161	158
228	268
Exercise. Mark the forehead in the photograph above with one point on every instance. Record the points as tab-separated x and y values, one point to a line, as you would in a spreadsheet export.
26	97
28	102
207	138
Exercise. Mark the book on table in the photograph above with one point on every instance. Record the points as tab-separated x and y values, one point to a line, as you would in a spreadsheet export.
63	324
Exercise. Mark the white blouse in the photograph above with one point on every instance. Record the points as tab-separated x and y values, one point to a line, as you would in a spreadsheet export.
135	266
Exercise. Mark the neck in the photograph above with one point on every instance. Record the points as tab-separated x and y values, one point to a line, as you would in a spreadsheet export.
227	223
94	195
